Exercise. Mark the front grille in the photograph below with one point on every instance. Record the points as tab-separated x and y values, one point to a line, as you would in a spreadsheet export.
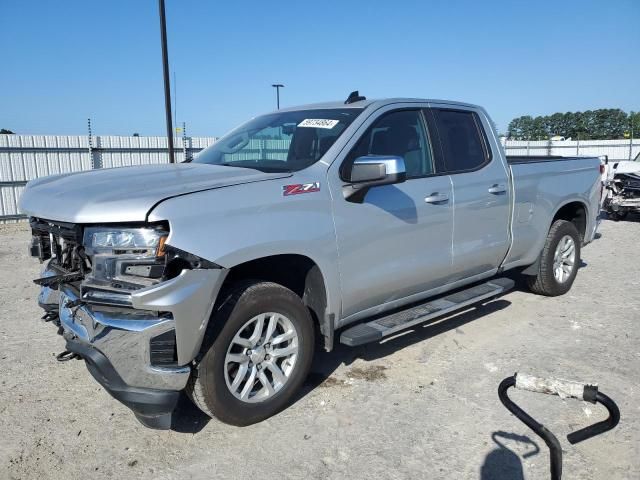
67	231
629	181
63	241
632	184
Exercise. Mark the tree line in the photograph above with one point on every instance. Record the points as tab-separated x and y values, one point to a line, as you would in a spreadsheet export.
602	124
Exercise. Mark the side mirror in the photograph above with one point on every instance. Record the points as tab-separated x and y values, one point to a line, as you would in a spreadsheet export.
372	171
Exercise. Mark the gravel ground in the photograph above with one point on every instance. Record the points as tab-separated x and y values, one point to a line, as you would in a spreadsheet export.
422	405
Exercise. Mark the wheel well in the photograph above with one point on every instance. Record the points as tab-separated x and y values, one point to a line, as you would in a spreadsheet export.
299	274
576	213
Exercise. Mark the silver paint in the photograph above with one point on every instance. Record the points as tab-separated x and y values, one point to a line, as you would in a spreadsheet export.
392	249
189	297
125	194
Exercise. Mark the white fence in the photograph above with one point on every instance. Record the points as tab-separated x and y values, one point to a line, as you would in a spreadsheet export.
615	150
25	157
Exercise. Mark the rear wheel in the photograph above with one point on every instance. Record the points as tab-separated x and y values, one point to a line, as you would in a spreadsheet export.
559	261
254	366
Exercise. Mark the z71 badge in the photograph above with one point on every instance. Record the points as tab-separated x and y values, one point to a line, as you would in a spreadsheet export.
300	188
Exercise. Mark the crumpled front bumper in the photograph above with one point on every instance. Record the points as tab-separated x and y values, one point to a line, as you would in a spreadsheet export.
116	343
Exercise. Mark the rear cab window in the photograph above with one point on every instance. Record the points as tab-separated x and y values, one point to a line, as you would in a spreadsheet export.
462	138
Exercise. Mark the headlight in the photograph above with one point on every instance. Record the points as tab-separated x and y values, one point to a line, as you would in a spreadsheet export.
138	241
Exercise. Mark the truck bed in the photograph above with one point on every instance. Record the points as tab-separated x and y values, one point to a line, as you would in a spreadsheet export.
540	185
518	159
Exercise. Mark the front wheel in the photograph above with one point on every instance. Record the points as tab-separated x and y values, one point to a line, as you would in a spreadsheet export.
559	261
254	366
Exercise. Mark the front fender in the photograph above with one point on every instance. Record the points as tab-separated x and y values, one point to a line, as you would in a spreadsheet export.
233	225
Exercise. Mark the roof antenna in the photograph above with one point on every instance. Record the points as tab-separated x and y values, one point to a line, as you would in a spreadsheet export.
354	97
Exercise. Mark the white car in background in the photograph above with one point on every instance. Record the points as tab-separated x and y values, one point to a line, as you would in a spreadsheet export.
622	188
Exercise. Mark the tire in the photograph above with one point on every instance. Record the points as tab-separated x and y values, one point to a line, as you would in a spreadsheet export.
546	281
211	382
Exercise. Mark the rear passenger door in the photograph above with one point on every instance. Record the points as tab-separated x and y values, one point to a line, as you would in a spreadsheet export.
480	190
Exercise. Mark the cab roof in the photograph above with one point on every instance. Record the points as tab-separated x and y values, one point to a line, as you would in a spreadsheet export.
374	102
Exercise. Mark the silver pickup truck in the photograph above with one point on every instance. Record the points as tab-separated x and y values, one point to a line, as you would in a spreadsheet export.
345	221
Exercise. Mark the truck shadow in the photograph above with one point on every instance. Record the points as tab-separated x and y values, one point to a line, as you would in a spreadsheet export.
326	363
521	280
501	463
631	217
187	418
393	201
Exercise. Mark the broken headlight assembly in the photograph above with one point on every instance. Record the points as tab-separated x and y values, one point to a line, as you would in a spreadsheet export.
106	264
122	259
141	242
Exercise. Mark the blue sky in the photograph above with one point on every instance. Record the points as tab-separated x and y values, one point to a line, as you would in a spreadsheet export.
65	61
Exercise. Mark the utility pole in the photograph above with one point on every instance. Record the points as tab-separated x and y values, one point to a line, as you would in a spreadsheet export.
167	85
175	99
277	86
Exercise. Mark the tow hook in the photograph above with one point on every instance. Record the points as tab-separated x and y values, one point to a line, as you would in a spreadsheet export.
52	317
66	356
563	389
74	303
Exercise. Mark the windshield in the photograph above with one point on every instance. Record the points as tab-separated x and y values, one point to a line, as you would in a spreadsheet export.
280	142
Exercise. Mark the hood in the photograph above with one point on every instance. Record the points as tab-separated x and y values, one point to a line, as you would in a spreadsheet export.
626	167
126	194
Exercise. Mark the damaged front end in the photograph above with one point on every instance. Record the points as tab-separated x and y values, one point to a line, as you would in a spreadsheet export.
623	195
133	307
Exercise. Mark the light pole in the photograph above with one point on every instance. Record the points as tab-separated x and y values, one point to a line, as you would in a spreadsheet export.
277	86
631	137
167	85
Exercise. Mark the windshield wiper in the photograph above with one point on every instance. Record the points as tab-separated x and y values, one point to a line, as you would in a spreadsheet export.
274	170
261	168
234	164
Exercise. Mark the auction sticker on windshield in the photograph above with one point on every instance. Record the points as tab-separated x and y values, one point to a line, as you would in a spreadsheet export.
318	123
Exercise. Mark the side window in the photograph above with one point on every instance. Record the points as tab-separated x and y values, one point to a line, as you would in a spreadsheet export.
399	133
462	140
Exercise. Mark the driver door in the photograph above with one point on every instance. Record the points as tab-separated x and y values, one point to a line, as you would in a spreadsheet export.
396	244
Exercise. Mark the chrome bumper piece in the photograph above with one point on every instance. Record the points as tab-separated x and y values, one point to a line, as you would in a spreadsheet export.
123	335
124	339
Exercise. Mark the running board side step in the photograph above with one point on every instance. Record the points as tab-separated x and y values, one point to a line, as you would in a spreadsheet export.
391	324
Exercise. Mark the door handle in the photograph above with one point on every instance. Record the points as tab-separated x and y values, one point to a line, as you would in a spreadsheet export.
437	198
497	189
